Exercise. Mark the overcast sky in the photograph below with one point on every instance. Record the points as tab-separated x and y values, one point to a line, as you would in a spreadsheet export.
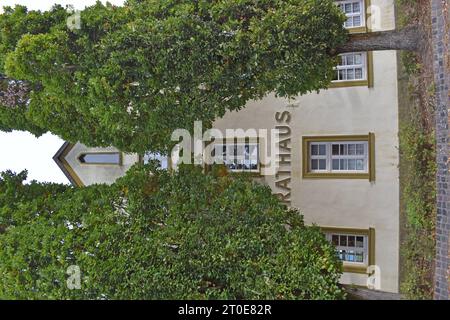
21	150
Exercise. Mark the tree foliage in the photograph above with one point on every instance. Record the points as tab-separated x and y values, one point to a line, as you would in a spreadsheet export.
133	74
14	94
160	235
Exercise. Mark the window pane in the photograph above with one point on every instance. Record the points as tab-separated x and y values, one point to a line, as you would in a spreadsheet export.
358	73
335	149
350	74
350	60
359	164
359	149
350	256
343	241
335	76
357	21
358	58
351	149
314	149
359	257
341	254
343	149
322	164
240	161
335	164
348	8
230	151
351	164
253	152
240	157
360	242
100	158
348	23
314	164
351	241
356	7
335	239
322	150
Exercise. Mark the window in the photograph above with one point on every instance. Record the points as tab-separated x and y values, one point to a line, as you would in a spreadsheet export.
355	13
100	158
163	160
349	247
319	156
354	247
349	156
238	157
339	157
354	69
351	67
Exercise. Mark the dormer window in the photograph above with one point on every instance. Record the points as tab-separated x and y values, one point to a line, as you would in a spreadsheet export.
112	158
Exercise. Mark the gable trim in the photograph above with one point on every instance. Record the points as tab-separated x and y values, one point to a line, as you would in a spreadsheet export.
60	159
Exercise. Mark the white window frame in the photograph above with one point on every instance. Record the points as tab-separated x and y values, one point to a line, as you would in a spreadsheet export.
220	160
362	65
330	157
351	15
364	249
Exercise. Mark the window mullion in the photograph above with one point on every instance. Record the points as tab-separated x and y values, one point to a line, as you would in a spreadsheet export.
329	167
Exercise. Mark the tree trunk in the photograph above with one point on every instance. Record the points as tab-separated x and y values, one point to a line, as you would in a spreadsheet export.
409	38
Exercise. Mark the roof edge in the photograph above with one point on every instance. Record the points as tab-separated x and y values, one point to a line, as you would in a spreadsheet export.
61	162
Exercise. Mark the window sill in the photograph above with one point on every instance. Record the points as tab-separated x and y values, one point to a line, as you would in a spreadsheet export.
344	84
311	175
245	173
354	269
357	30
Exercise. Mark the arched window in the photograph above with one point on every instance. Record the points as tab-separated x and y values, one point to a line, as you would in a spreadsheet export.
100	158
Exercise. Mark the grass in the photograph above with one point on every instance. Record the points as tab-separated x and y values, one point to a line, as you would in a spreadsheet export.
417	161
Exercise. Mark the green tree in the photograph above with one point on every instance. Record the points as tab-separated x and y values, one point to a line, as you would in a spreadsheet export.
14	94
164	235
132	74
15	196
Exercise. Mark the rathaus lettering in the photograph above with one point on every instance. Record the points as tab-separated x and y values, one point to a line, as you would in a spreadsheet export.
283	175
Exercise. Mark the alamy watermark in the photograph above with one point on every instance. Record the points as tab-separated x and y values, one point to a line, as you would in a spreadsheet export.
374	279
199	148
74	280
73	22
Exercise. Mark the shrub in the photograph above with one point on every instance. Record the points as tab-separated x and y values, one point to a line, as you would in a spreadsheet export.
167	235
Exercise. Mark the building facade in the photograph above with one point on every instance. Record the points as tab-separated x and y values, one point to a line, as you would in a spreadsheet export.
338	160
